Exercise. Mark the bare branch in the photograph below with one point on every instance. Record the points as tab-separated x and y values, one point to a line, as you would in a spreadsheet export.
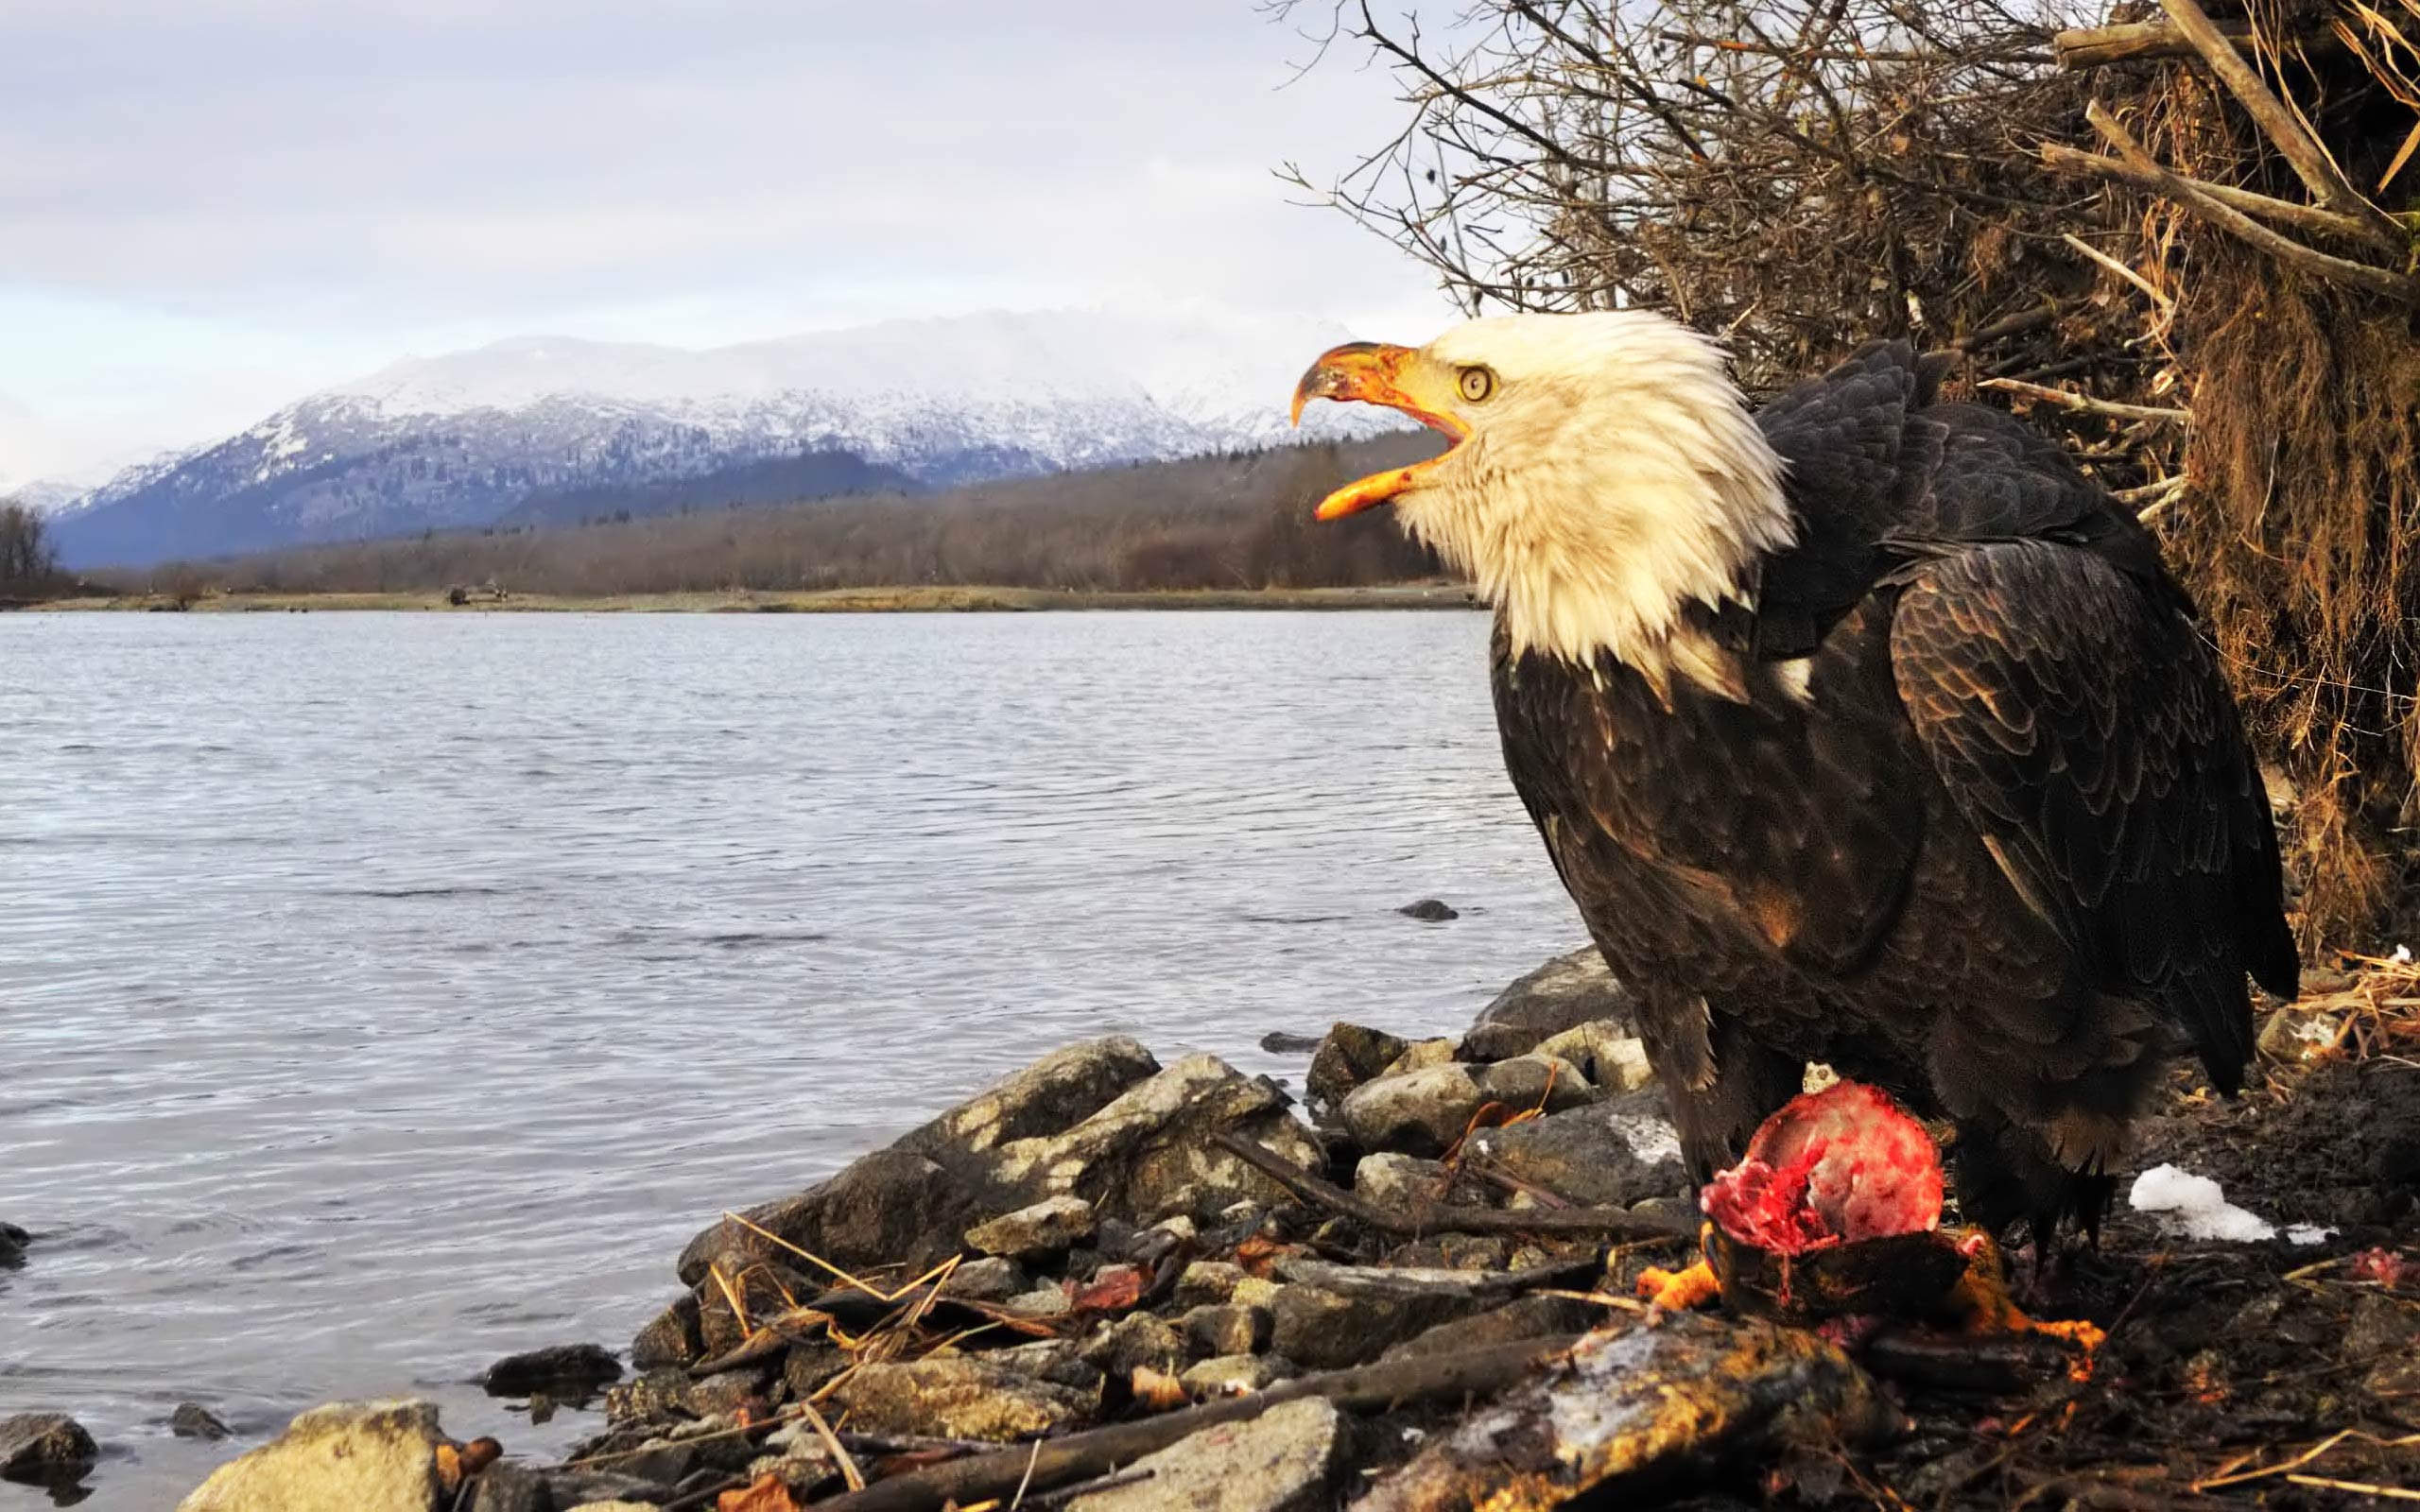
2135	40
2193	195
2317	170
2087	403
2065	159
2158	296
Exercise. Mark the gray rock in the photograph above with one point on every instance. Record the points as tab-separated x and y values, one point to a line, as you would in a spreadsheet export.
193	1420
895	1206
1134	1342
1279	1043
14	1242
1582	1156
1206	1281
1328	1317
958	1397
1144	1157
1055	1361
1421	1053
672	1337
562	1371
993	1279
1524	1317
44	1446
1233	1375
659	1393
505	1487
661	1460
1424	1111
1396	1181
1348	1056
1536	1080
1226	1329
1563	994
1050	1227
1416	1112
599	1489
1285	1460
365	1456
669	1391
725	1391
1622	1066
904	1202
1606	1052
1043	1302
1428	911
1138	1156
808	1367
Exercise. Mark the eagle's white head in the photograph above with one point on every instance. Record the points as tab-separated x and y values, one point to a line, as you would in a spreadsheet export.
1604	472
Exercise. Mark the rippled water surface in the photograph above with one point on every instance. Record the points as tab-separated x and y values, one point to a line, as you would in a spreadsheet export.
380	994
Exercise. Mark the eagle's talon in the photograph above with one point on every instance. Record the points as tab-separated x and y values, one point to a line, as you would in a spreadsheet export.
1679	1291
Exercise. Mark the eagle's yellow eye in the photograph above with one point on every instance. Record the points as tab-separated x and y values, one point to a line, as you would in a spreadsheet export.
1477	383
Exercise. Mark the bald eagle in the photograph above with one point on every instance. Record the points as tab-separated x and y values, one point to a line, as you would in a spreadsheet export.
1863	729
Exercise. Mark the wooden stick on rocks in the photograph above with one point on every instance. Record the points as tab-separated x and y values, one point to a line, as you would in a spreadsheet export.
1419	1218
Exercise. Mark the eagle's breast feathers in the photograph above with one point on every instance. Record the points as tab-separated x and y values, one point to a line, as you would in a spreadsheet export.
1960	799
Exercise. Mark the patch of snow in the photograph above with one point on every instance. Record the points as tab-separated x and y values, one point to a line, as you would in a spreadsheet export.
2318	1029
2197	1206
1225	374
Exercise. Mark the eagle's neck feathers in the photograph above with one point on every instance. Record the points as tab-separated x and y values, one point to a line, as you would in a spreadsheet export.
1620	485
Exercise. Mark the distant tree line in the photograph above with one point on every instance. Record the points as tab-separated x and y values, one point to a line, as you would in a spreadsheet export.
1228	522
28	562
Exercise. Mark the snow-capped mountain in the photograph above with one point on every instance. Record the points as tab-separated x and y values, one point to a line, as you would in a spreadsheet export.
42	495
463	440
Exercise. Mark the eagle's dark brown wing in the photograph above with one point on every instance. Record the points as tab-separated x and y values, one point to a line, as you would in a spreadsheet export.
2081	725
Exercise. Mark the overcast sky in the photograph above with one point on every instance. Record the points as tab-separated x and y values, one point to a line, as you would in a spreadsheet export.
209	207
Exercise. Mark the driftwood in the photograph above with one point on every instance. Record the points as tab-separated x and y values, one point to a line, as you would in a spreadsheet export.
1988	1363
1100	1450
1437	1218
2100	47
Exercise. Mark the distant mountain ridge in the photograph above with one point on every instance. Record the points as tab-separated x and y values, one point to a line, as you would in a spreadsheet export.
528	428
42	495
775	480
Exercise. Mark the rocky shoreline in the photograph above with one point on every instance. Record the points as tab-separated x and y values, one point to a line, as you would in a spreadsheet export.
1108	1283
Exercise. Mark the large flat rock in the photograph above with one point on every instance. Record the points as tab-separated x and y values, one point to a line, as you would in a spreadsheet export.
1281	1461
364	1457
1562	994
1101	1122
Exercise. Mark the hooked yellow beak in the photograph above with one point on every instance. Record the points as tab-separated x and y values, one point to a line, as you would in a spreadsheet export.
1371	373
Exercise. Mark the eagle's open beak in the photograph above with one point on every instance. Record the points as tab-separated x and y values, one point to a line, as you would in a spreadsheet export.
1370	373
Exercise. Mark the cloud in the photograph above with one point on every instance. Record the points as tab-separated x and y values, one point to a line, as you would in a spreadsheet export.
309	182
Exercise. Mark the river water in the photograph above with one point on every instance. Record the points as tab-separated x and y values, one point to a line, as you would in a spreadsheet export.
381	994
